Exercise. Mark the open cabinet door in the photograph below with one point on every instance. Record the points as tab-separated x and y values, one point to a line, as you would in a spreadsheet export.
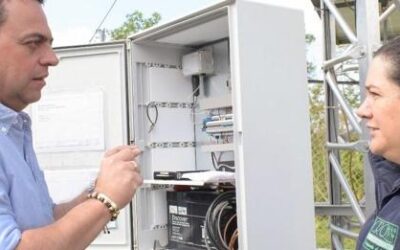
273	151
82	113
251	112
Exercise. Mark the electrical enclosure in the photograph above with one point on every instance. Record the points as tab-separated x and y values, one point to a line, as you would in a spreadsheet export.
249	115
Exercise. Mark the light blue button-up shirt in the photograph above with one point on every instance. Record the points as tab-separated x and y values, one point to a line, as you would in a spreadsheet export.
25	202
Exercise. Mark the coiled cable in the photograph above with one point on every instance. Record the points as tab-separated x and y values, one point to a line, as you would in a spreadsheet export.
222	205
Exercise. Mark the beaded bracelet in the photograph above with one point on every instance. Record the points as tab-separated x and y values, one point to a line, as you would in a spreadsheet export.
112	207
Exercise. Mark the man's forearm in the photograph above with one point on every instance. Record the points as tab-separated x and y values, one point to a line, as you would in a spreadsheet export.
75	230
62	209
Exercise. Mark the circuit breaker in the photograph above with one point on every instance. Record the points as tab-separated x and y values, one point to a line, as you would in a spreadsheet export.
217	100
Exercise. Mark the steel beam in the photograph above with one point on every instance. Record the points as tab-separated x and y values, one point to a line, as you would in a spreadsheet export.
368	32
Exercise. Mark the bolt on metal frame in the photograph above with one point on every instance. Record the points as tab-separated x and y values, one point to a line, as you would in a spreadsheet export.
362	46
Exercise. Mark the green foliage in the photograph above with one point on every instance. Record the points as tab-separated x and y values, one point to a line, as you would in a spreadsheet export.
310	38
316	94
134	22
323	235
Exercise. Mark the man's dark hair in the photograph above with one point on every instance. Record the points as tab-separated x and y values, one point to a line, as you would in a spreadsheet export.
3	12
391	53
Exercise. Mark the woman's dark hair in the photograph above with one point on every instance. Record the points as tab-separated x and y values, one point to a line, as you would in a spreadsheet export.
391	53
3	12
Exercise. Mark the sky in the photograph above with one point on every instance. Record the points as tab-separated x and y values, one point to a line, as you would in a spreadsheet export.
75	21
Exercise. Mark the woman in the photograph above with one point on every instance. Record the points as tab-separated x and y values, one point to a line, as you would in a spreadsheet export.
381	111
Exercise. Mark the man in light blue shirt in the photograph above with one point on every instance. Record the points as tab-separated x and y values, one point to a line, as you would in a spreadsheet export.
28	217
22	185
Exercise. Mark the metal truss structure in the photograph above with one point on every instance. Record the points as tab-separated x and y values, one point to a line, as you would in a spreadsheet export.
356	23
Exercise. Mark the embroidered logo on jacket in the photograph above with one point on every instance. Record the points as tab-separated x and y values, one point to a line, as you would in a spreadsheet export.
381	236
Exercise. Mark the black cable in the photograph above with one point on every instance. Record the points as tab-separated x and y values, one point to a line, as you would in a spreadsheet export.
231	220
104	18
214	161
152	123
212	226
106	230
196	85
218	165
218	225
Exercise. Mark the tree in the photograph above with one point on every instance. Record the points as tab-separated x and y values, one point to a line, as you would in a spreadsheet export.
134	22
310	38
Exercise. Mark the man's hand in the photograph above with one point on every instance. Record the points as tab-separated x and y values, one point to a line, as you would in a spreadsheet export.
118	179
119	175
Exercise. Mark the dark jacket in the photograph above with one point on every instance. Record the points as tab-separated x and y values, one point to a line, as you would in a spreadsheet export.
381	231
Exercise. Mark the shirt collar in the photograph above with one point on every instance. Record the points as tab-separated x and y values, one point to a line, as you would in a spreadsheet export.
9	117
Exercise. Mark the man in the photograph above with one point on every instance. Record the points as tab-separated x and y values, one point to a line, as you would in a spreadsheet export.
28	218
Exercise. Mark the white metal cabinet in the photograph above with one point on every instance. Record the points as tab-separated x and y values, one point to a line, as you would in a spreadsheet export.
259	59
266	72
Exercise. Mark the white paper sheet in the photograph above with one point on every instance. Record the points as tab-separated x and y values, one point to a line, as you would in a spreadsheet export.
211	176
64	122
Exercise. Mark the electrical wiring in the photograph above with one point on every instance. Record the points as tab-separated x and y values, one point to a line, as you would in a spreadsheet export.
220	157
212	228
234	239
152	122
218	225
193	92
228	223
225	167
215	225
222	203
216	162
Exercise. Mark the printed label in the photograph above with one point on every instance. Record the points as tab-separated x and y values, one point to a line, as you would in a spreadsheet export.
180	221
173	209
182	210
381	236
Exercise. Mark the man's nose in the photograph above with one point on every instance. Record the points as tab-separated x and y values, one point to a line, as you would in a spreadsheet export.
49	58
